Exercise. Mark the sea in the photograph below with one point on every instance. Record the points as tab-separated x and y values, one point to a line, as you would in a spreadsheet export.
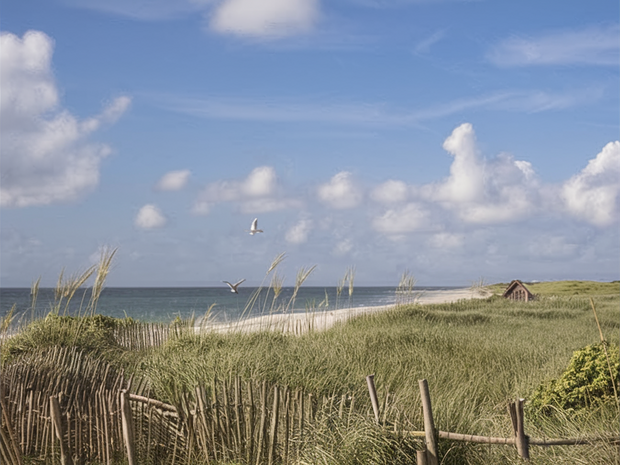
165	304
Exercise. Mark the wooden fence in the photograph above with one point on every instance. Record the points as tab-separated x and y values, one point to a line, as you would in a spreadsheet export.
429	456
66	407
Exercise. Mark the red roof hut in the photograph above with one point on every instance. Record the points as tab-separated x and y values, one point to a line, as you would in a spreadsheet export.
516	290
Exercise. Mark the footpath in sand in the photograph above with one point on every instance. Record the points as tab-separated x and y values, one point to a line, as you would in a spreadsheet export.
301	322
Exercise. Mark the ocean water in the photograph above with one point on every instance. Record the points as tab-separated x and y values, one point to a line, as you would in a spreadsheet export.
167	303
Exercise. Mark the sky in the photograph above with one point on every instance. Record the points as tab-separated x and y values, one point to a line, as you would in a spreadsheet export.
457	141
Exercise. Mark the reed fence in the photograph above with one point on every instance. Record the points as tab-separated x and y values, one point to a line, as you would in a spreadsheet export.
139	336
64	406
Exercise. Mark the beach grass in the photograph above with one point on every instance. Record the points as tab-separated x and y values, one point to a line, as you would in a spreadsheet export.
476	355
565	288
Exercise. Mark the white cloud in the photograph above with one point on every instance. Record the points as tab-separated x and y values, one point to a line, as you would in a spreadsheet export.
390	191
46	155
484	191
340	192
261	182
446	240
150	217
466	181
596	45
298	234
265	18
343	247
173	180
593	193
399	222
259	192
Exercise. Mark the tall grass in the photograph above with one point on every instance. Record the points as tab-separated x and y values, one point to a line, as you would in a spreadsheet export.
476	355
404	291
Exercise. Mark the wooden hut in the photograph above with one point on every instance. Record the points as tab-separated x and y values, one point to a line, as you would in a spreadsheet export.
516	290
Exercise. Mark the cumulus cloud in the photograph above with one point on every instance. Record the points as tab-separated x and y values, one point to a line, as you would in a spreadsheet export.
46	154
595	45
340	192
298	234
267	18
466	181
150	217
260	183
390	191
398	222
593	193
173	180
259	192
483	191
494	190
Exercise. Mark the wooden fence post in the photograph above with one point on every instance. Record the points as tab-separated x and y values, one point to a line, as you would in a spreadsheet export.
517	417
65	453
273	432
429	424
370	379
12	446
421	457
127	423
263	423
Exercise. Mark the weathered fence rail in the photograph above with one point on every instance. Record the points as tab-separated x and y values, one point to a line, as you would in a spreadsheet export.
520	439
63	406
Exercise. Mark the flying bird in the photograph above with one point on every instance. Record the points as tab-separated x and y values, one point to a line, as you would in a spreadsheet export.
233	287
254	229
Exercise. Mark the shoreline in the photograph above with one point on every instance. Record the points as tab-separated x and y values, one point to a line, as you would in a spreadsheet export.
299	323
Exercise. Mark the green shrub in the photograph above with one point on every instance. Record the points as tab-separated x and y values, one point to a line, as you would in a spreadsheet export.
93	333
585	383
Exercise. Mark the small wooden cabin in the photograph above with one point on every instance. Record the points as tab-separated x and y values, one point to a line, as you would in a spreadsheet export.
516	290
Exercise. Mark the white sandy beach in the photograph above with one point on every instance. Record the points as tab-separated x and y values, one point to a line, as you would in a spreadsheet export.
299	323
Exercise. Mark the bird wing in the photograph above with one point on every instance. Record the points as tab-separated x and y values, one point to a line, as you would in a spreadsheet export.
254	224
231	286
239	282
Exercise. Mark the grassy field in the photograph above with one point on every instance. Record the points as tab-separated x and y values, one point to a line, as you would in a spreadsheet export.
565	288
475	354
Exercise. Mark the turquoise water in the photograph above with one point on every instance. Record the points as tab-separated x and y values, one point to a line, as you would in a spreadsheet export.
165	304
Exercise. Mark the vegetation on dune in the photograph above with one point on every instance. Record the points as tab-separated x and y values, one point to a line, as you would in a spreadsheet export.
565	288
587	382
476	355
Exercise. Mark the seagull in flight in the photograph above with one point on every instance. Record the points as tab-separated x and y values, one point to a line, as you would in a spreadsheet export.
233	287
254	229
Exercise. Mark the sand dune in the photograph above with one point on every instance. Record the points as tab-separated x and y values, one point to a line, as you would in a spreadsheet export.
301	322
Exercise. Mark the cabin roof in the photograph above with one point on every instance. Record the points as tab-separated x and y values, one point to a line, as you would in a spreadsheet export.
514	285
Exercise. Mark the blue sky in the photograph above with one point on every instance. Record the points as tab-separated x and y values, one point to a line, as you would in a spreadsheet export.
456	140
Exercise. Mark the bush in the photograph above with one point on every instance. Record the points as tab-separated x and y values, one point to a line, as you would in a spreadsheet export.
585	383
93	333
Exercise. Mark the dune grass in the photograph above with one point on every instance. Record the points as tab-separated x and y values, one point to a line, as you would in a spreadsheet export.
476	355
565	288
